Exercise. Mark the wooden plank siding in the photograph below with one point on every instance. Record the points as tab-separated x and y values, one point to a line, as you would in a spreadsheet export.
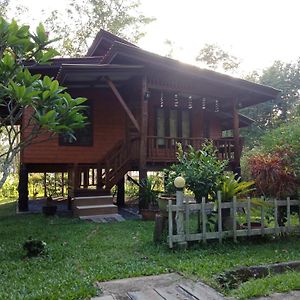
111	125
108	128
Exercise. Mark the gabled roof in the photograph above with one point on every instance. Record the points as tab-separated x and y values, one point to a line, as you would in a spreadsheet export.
103	41
249	92
111	50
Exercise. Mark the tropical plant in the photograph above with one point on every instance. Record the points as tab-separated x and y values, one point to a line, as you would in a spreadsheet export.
148	192
231	186
39	104
273	174
201	169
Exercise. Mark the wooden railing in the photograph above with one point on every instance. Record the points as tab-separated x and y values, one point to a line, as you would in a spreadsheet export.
278	210
163	149
117	161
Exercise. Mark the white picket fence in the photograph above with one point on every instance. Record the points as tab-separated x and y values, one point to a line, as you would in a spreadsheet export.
187	209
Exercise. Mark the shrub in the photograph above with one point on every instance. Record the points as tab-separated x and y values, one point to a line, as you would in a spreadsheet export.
10	188
273	173
34	247
201	169
231	186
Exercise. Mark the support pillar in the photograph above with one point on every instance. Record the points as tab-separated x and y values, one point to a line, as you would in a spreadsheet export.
121	192
23	188
236	137
143	134
144	128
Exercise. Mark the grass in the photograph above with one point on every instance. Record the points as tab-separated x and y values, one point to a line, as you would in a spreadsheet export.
82	253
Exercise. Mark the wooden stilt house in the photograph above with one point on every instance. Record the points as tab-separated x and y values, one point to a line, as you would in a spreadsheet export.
140	105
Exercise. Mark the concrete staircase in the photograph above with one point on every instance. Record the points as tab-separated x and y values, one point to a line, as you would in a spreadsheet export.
93	206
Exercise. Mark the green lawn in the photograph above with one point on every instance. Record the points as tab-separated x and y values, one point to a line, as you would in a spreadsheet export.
80	253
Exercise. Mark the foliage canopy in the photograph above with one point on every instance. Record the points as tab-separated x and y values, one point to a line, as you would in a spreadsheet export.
48	107
83	19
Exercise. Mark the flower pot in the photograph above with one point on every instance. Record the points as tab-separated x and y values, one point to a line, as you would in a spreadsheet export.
49	210
163	202
149	214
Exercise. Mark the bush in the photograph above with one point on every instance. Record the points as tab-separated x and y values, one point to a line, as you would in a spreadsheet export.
275	164
231	186
201	169
34	247
9	189
273	173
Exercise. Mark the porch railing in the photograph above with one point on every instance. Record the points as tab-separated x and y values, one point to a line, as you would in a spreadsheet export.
164	148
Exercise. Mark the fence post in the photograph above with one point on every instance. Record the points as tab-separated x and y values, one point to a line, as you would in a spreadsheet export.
276	216
234	219
262	221
170	219
203	220
249	216
299	214
187	219
288	214
220	216
180	218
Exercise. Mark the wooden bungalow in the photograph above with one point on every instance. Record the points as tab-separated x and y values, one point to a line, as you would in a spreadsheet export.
140	105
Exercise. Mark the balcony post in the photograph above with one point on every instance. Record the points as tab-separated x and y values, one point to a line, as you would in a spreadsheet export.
144	130
236	138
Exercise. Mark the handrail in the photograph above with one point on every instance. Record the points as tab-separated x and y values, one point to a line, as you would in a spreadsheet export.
164	148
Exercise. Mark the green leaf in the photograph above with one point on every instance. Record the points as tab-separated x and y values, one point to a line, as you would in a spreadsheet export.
41	33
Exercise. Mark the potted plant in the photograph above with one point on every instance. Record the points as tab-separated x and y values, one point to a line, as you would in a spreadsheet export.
148	194
230	186
169	191
50	208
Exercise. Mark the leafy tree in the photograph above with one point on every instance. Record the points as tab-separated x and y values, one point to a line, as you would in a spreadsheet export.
269	115
275	163
83	19
216	58
3	7
38	104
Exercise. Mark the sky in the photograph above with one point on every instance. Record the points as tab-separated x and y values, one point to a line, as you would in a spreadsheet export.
258	32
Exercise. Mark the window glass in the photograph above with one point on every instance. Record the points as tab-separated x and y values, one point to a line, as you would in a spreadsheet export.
173	123
185	124
160	126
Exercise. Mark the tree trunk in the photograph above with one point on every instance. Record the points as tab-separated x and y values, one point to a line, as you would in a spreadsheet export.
23	188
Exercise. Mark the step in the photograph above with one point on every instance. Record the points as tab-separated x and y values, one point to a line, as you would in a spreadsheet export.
104	218
90	192
92	200
90	210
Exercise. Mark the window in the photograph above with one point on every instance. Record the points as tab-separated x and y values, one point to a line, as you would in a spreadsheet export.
173	123
160	127
185	125
84	136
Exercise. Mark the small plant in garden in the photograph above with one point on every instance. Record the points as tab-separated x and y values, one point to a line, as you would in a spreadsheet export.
273	174
34	248
147	191
201	169
231	186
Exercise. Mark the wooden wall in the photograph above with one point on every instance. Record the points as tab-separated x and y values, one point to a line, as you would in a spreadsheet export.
108	129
